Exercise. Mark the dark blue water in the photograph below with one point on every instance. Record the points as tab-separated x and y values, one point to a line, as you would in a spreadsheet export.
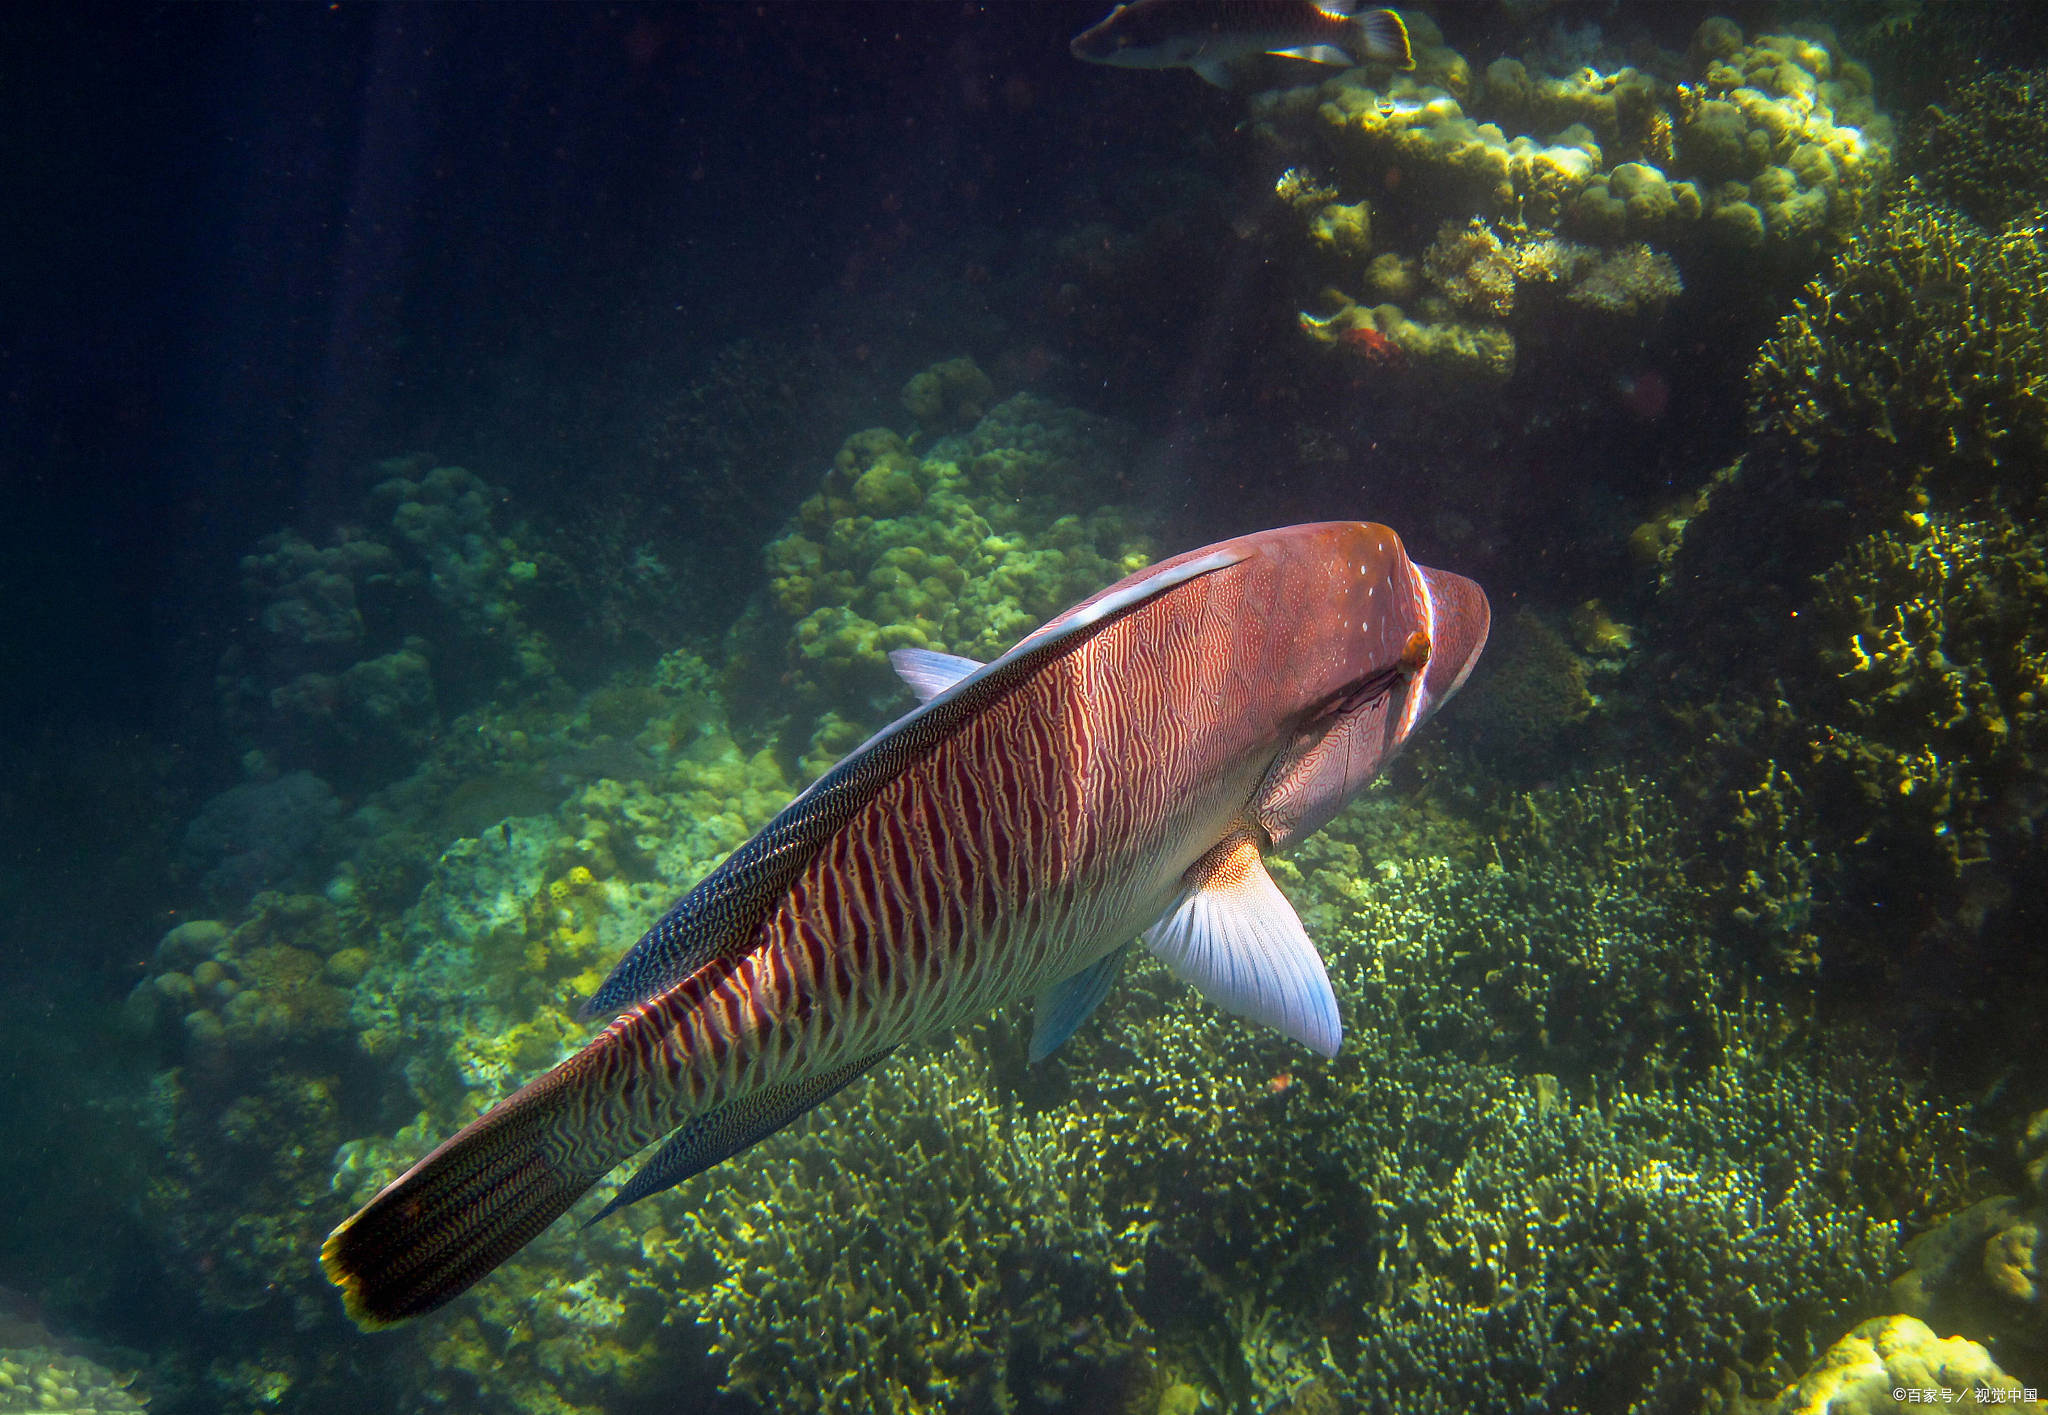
466	468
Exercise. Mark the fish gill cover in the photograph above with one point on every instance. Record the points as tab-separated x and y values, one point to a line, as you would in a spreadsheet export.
1692	1012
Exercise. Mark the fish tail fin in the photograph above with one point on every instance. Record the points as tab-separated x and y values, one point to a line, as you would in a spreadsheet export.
1381	37
481	1196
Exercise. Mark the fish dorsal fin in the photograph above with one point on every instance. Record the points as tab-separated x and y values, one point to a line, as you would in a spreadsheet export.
722	1133
1065	1005
930	673
1237	940
719	917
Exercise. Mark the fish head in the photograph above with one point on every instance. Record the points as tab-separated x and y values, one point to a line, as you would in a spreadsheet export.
1139	35
1376	645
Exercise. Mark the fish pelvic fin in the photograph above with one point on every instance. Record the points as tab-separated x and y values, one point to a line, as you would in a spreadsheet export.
481	1196
735	1126
1064	1006
1237	940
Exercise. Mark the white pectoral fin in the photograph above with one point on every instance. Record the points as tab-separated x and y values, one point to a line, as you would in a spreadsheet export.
1065	1005
1233	935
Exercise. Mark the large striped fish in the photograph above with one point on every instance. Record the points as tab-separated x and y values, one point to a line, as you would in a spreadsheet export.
1123	770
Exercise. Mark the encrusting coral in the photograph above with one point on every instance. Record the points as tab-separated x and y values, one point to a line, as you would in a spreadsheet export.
1618	177
47	1382
963	548
1887	1360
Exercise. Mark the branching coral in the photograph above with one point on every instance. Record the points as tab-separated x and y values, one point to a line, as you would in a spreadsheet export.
1558	1164
1942	667
1981	147
1922	353
920	1247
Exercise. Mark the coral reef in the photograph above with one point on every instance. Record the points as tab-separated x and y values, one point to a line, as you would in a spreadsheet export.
1985	1270
1981	147
1560	1163
1940	668
964	549
41	1380
924	1246
362	647
1888	1360
1618	177
1920	357
1568	1159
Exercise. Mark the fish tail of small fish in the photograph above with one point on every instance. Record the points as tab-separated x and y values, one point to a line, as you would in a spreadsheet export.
1381	38
480	1197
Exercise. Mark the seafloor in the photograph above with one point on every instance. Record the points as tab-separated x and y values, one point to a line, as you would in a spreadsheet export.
1692	966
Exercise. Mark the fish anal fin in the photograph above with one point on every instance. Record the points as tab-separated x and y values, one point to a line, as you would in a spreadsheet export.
1064	1006
1315	54
1234	937
722	1133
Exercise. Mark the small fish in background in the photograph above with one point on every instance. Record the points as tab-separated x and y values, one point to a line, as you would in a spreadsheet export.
1210	36
1645	395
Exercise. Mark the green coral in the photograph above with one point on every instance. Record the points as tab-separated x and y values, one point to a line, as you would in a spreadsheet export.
948	395
1981	146
1940	663
1560	1163
965	548
1602	181
923	1247
1921	354
45	1381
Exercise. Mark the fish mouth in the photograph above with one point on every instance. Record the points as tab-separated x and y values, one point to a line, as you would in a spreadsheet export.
1461	621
